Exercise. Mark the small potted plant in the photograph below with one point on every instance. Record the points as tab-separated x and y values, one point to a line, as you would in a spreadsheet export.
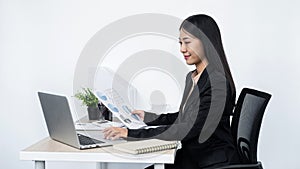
91	101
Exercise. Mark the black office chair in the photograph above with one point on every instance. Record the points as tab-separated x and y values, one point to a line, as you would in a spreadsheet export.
245	127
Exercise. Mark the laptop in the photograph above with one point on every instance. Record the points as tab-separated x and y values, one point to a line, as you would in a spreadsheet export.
61	127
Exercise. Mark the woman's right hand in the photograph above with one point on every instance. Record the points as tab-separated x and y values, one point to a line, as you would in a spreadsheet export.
140	113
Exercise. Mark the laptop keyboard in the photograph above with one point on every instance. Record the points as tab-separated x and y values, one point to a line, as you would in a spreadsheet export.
84	140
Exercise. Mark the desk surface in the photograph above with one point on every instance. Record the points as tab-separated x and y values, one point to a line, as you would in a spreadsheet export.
50	150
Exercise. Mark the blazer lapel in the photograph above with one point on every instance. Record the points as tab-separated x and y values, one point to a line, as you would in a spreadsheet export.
188	86
195	95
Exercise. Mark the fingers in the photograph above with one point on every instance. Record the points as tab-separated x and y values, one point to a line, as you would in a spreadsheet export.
140	113
108	132
136	112
114	133
115	137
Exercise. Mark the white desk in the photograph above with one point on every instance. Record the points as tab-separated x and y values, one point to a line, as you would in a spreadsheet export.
50	150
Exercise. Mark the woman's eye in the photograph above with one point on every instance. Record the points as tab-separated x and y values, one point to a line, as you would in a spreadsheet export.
184	43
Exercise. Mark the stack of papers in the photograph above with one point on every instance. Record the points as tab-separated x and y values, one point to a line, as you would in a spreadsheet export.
97	125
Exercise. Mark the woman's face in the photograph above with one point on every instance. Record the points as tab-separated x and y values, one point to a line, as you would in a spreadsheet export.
191	48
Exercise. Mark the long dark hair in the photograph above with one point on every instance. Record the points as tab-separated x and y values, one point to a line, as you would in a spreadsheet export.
206	29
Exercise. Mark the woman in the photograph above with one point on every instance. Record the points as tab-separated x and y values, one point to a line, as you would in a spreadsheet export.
202	123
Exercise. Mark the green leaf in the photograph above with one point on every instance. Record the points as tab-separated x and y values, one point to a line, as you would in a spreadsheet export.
87	97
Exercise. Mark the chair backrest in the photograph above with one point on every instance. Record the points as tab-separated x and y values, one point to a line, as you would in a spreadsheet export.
246	122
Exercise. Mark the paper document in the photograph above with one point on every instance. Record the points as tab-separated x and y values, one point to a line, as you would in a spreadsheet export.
122	110
97	125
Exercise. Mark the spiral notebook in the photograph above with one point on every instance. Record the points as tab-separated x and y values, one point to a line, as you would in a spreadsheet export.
146	146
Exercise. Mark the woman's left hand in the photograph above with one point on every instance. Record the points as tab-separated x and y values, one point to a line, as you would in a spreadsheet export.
114	133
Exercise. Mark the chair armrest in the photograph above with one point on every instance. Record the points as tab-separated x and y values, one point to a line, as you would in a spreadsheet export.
242	166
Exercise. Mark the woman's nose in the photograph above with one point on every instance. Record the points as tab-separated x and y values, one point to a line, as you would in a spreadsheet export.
182	48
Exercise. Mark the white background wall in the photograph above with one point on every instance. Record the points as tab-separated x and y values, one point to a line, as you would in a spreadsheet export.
40	42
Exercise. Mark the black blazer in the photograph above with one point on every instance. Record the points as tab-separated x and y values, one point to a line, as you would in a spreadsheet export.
203	125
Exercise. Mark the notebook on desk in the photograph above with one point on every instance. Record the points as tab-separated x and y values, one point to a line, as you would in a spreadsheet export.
147	146
60	123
